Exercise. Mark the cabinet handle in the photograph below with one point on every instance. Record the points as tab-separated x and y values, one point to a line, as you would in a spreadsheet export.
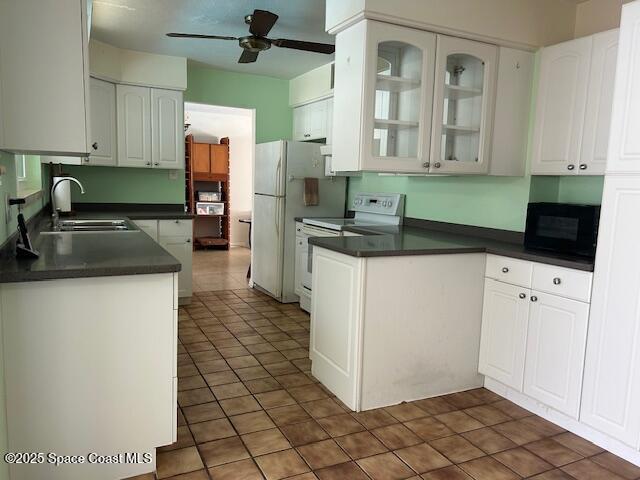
583	166
523	295
307	135
437	165
95	145
570	167
557	281
505	270
426	164
534	298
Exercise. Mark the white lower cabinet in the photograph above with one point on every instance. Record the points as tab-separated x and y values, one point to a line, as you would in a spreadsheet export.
175	236
533	341
504	332
556	340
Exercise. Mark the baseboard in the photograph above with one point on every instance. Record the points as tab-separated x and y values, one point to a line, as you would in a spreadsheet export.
571	424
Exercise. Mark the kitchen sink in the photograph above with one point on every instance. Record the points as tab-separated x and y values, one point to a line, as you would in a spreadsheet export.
90	225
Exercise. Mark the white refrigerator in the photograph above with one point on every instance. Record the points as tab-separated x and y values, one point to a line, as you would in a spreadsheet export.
279	172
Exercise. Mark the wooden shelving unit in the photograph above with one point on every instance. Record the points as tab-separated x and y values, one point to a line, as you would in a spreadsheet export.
208	170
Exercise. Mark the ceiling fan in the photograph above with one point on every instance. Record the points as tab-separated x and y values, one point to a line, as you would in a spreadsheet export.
260	23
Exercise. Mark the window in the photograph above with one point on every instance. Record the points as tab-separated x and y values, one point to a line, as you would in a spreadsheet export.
28	175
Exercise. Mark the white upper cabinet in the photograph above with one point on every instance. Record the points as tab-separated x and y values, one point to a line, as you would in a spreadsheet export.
624	151
560	107
511	118
167	129
555	351
383	98
103	124
44	77
573	110
611	392
504	332
134	126
597	122
463	106
311	121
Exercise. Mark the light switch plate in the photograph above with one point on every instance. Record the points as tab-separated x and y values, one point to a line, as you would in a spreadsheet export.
173	174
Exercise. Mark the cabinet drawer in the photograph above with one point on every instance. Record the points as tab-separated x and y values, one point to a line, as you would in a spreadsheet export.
509	270
564	282
175	228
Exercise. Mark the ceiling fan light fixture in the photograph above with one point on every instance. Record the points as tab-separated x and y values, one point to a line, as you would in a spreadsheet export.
254	44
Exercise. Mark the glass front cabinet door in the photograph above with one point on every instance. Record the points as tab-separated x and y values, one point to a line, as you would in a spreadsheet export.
398	99
463	106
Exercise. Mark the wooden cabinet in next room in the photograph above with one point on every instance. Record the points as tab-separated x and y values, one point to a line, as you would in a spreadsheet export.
210	160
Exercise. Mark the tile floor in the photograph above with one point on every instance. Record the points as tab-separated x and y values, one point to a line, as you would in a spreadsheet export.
250	409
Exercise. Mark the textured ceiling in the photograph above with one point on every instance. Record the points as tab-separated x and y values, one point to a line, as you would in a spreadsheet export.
142	24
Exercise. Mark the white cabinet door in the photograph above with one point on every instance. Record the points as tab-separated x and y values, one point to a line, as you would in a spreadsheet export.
329	121
150	227
103	124
505	315
555	351
597	124
134	126
299	125
611	393
560	107
44	73
336	323
316	120
167	129
511	117
624	148
463	103
182	250
397	97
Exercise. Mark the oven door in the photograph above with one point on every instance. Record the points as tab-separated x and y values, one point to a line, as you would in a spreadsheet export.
309	231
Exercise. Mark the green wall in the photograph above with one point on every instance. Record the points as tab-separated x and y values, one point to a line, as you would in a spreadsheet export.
268	96
126	185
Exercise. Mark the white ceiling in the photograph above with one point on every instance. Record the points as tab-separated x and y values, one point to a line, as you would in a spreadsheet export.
142	24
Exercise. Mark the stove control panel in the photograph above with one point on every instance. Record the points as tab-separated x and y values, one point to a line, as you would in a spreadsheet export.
380	203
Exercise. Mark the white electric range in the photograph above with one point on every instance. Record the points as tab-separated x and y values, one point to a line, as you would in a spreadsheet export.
371	210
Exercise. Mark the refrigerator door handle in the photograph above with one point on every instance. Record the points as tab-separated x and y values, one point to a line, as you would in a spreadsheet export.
277	222
278	169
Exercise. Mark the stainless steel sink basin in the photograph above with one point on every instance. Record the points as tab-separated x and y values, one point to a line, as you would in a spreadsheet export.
92	225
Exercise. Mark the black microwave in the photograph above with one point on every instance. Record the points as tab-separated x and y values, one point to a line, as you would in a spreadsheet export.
562	228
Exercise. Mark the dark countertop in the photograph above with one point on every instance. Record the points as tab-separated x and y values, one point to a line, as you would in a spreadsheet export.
89	254
134	211
406	240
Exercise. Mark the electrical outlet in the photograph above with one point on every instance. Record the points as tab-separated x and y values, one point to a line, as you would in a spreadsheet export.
173	174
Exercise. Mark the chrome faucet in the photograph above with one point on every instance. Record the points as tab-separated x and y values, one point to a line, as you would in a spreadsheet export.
55	215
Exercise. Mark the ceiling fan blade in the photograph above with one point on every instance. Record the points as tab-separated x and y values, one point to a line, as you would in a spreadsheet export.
195	35
307	46
262	21
248	57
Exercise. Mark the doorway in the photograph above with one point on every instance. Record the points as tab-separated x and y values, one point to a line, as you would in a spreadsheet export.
215	268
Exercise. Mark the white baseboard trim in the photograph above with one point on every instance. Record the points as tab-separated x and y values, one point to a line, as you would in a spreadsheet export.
571	424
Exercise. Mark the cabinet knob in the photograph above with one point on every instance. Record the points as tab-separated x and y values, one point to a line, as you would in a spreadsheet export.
177	221
523	295
148	163
571	167
583	166
505	270
534	298
156	164
437	165
85	159
188	240
557	281
307	135
426	164
95	145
